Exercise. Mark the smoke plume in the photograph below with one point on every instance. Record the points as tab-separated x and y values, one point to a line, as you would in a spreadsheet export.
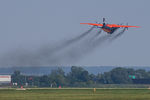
65	53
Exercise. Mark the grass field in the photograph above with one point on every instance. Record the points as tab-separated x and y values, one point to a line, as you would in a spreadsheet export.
75	94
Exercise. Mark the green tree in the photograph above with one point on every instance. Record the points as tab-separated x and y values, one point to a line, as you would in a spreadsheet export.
44	81
141	74
18	78
120	76
78	76
106	78
57	77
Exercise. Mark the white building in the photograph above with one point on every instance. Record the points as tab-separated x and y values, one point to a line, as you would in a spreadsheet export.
5	79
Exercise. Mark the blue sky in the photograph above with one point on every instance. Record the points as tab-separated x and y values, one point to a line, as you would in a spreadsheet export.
31	24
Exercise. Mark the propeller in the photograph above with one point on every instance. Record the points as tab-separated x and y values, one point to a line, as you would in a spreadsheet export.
99	23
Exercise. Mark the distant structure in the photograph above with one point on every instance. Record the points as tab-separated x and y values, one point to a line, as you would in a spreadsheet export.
5	80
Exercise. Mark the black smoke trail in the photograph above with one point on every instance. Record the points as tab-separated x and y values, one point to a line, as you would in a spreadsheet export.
73	40
89	45
46	55
98	33
118	35
65	53
77	52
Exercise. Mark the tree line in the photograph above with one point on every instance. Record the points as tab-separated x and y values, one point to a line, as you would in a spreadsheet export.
79	77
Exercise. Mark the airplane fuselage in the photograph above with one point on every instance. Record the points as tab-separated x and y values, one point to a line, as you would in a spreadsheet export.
108	29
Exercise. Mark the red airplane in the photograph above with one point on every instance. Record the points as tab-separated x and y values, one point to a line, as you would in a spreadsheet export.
109	28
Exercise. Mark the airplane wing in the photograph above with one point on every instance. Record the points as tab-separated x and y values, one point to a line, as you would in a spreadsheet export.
110	25
115	25
92	24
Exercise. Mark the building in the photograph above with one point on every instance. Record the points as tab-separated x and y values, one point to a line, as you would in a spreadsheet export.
5	79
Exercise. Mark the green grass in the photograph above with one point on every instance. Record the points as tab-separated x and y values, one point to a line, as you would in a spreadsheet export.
75	94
